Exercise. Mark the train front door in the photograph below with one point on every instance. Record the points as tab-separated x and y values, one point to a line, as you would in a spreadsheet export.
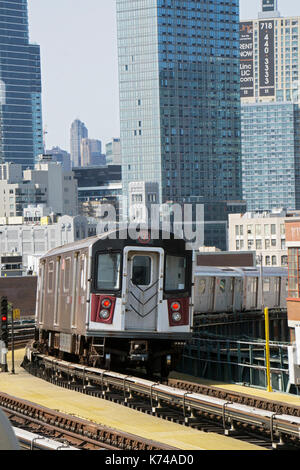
142	290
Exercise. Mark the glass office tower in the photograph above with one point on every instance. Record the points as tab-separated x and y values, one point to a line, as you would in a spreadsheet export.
180	103
268	148
270	96
21	131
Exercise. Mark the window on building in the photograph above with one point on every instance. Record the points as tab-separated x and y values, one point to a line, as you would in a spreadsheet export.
250	244
267	230
273	229
258	244
274	260
267	244
268	261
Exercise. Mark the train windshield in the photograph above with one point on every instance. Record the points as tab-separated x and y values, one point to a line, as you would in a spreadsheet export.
108	277
175	273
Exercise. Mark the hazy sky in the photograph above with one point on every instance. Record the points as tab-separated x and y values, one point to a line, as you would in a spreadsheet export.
78	40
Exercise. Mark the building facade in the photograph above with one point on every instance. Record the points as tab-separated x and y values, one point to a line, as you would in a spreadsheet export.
293	300
21	127
98	186
261	232
142	195
91	153
269	75
180	103
47	184
29	239
60	156
61	186
78	132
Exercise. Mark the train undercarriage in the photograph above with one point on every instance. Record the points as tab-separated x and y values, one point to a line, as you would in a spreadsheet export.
154	356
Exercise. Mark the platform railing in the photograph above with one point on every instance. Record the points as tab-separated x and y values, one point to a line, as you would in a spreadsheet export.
236	361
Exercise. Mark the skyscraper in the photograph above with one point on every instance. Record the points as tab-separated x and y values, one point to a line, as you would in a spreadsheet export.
21	130
113	152
180	103
270	61
78	132
91	153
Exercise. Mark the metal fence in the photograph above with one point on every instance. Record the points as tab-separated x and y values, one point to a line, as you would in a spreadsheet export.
236	361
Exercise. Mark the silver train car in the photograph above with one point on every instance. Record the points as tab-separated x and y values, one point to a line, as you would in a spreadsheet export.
220	290
111	299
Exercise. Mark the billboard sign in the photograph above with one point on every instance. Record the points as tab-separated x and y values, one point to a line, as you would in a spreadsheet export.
268	5
246	59
266	58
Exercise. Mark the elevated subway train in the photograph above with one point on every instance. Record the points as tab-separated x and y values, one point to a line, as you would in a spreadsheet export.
219	290
111	299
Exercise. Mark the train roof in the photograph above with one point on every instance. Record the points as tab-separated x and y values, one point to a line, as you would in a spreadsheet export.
239	272
119	238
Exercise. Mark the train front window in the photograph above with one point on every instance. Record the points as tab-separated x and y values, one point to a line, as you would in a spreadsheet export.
141	270
175	273
108	276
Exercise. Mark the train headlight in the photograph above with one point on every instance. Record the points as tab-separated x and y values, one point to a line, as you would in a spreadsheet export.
104	314
176	316
106	303
175	306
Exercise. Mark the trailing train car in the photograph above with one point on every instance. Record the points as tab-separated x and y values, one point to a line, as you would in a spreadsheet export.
220	290
111	299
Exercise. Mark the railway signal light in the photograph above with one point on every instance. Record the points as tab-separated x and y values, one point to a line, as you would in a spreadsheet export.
4	320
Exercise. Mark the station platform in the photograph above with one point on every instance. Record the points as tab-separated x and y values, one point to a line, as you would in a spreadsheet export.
246	390
23	385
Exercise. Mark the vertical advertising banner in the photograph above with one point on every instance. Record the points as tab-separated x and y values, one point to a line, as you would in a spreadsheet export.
246	59
266	58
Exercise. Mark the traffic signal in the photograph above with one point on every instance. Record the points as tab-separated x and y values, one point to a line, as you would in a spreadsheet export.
4	320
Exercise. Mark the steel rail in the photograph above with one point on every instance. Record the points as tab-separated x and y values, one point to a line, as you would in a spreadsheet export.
73	429
32	441
190	402
246	399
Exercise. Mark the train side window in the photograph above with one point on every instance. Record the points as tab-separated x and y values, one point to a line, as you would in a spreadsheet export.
108	276
141	270
222	285
50	276
175	273
202	286
83	272
267	285
67	274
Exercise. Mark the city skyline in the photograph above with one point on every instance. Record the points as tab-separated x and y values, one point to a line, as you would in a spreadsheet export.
69	92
